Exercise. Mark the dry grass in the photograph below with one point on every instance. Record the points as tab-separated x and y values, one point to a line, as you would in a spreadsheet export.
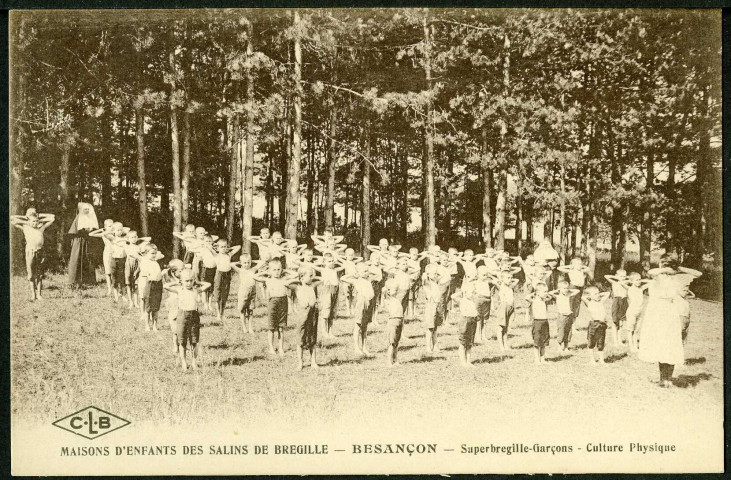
69	352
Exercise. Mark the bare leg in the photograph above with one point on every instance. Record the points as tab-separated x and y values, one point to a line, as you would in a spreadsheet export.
542	352
429	337
281	341
363	336
313	358
109	285
154	321
270	339
462	354
300	355
601	356
39	287
435	347
357	340
390	355
181	354
537	358
195	356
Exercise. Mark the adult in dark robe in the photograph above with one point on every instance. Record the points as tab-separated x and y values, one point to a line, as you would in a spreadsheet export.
81	271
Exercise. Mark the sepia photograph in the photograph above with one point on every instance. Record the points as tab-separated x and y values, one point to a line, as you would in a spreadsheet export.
366	241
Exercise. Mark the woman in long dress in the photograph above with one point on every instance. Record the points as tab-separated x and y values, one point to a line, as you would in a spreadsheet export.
661	338
81	271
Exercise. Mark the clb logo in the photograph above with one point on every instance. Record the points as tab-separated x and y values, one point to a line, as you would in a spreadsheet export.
91	422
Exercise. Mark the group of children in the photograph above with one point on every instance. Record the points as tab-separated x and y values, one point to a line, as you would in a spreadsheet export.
293	280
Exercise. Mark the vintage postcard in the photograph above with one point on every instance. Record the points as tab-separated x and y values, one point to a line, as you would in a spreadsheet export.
366	241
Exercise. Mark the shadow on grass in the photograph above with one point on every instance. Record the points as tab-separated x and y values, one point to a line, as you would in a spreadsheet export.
406	348
335	362
558	358
237	361
524	346
498	359
220	346
426	359
695	361
211	324
330	346
685	381
615	357
449	349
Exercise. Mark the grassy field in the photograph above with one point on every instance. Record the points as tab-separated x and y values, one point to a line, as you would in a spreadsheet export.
70	351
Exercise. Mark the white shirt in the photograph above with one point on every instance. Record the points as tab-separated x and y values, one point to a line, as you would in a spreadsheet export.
329	277
635	297
577	277
540	312
563	303
187	300
596	309
276	287
467	307
364	289
151	270
618	290
223	262
507	297
306	297
246	281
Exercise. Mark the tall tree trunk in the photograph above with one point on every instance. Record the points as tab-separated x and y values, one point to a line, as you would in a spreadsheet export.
141	178
175	145
519	212
330	195
310	187
18	134
365	219
502	176
703	166
233	170
429	222
247	191
562	209
647	216
185	180
293	190
405	211
528	208
63	195
486	193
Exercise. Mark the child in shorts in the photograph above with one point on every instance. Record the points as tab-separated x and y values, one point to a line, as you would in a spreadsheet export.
465	299
150	276
619	300
276	283
484	285
506	308
200	236
564	296
578	274
364	302
107	253
206	252
133	248
247	289
392	300
189	240
171	275
119	258
188	323
434	287
349	262
596	334
635	298
222	279
539	312
34	226
327	290
305	303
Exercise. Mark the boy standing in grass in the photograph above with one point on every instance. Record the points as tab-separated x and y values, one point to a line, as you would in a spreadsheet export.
564	297
277	303
247	290
103	233
596	334
189	240
465	299
434	287
619	300
222	279
364	303
395	310
33	226
188	324
150	285
305	301
171	275
506	308
578	273
539	311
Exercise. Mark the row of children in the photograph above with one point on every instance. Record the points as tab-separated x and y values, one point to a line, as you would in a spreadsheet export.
292	278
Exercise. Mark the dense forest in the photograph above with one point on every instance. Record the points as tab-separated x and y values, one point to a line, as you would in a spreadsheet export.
423	126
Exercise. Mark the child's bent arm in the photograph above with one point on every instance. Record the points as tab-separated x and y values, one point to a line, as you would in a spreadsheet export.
690	271
233	250
203	286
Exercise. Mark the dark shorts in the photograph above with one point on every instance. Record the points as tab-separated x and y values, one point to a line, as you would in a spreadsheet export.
188	327
328	301
563	328
188	257
307	328
277	310
152	295
208	275
34	263
619	310
221	288
596	334
246	302
467	328
541	332
483	308
131	271
505	315
395	327
575	301
118	272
